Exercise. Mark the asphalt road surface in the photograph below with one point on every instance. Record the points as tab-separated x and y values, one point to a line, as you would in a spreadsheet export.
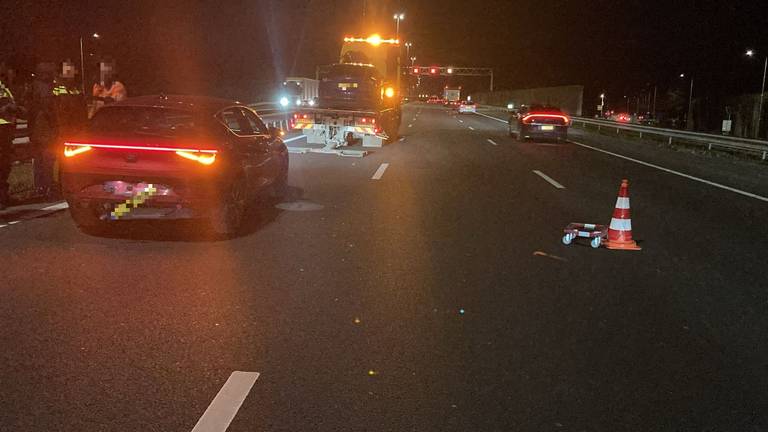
432	293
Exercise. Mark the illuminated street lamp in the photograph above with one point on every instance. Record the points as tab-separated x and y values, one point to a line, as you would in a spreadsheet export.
751	53
413	60
82	61
602	103
408	46
398	17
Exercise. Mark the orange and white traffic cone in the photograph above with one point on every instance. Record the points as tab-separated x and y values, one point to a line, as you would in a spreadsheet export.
620	230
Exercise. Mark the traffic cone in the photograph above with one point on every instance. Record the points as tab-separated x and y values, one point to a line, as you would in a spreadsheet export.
620	230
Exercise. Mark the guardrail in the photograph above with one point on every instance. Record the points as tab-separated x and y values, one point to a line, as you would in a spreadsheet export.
272	115
711	141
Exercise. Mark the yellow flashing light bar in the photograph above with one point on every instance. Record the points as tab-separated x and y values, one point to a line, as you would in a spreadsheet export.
374	40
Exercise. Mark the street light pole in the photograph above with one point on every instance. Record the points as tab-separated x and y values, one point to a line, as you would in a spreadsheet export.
82	62
762	93
689	117
398	17
82	67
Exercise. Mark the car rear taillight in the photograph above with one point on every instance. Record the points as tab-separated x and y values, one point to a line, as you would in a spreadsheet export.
74	150
548	118
365	120
203	156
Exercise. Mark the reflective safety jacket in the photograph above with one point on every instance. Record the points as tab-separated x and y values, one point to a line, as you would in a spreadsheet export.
60	90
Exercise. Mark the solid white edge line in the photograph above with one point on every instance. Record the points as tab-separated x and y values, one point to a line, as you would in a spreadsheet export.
549	179
661	168
380	172
492	141
227	402
492	118
294	138
58	206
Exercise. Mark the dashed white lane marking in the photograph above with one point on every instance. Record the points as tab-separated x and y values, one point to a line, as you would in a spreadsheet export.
549	179
471	128
294	139
3	225
58	206
13	222
492	141
461	121
492	118
227	402
690	177
380	172
410	125
402	139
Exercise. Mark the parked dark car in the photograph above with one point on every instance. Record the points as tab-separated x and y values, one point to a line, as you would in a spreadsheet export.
540	122
171	157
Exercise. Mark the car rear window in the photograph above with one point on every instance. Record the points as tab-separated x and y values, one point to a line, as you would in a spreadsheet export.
144	120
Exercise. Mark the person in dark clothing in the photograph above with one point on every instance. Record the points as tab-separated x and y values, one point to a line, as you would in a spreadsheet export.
8	113
42	131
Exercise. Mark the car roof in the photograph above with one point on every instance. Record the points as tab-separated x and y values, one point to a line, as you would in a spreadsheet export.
203	104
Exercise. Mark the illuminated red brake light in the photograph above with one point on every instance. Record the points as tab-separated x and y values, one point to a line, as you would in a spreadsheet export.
204	156
528	119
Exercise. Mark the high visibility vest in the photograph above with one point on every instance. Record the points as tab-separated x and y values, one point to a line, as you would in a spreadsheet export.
5	92
60	90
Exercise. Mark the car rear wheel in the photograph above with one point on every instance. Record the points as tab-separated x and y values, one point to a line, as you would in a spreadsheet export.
227	217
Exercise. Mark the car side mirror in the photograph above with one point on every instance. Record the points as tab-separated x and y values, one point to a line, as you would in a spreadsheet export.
275	132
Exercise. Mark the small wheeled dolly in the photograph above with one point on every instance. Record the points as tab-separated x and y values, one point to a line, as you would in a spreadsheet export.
594	232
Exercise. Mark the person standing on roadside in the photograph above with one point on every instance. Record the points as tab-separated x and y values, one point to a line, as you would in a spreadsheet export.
98	93
117	90
8	112
42	128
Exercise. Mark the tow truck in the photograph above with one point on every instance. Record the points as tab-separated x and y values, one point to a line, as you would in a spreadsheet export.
358	100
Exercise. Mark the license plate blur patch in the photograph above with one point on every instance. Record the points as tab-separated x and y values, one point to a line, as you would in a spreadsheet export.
547	127
128	189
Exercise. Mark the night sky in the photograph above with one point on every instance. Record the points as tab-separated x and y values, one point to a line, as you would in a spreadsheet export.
240	48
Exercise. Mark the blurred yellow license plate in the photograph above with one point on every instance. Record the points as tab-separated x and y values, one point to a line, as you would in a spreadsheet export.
547	127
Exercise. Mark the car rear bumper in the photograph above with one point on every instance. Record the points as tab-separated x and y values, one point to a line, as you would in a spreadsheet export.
535	132
127	198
